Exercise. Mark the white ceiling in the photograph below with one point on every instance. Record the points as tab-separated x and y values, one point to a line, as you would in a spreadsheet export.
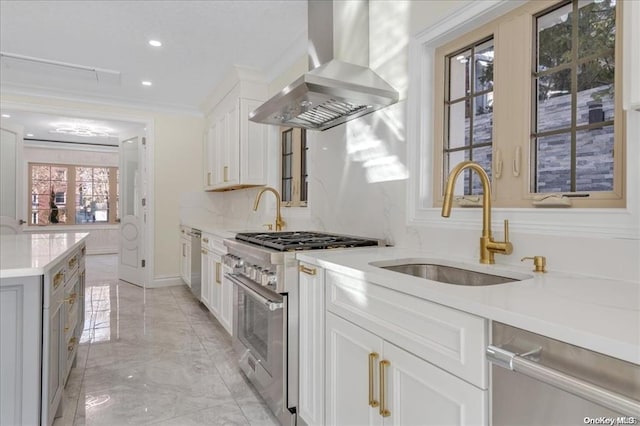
202	40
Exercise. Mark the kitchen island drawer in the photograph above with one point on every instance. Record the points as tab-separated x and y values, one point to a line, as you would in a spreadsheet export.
451	339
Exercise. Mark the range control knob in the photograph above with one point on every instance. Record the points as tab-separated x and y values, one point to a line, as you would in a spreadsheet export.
264	277
271	279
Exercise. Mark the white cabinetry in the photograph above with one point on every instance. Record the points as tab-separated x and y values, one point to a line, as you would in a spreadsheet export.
311	357
41	320
235	150
631	55
54	352
20	350
217	292
226	300
185	255
430	357
373	382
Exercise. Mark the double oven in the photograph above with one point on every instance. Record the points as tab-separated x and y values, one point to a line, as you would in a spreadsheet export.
264	273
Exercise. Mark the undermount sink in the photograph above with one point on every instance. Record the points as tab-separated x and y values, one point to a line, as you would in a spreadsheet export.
446	274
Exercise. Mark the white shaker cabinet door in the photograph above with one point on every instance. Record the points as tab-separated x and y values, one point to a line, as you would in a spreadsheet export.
421	394
226	300
311	362
350	382
20	350
215	284
204	278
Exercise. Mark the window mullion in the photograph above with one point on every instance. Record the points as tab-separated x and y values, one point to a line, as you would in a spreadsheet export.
574	95
71	195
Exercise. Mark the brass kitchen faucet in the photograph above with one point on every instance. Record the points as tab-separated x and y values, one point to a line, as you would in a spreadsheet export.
487	245
279	221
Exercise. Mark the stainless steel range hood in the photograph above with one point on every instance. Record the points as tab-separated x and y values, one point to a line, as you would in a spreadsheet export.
340	85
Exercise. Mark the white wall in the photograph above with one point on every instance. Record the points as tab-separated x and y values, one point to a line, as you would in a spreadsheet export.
349	195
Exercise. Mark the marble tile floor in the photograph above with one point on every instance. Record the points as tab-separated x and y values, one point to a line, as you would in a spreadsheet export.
154	357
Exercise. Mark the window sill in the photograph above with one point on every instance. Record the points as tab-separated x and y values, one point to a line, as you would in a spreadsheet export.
608	223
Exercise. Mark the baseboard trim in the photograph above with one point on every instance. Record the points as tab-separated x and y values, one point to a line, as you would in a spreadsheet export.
166	281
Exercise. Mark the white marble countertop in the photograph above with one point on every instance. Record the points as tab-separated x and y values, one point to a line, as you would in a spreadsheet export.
30	254
595	313
219	230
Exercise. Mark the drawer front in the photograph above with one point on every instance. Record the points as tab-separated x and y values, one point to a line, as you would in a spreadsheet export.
213	243
451	339
54	284
73	262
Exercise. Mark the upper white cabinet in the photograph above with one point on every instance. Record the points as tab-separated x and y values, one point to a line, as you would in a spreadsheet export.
631	55
235	148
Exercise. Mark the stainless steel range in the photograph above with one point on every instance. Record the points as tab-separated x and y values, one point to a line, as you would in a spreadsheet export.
265	315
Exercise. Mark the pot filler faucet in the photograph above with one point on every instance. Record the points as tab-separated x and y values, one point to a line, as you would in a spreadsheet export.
487	245
279	221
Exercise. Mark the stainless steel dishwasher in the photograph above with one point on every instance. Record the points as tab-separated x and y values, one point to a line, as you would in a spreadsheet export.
196	262
536	380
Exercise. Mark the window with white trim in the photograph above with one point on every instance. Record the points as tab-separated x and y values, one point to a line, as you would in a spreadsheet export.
62	194
534	97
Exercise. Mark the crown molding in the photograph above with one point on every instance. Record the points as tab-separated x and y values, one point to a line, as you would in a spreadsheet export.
73	96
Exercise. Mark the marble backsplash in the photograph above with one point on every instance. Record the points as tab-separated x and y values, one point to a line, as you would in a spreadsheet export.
357	186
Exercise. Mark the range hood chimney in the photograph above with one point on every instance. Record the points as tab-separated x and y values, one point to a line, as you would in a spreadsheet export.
340	85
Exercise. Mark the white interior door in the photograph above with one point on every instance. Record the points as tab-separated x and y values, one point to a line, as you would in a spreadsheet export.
133	210
11	187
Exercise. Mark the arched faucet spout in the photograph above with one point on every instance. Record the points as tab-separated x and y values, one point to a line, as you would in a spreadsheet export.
279	221
487	246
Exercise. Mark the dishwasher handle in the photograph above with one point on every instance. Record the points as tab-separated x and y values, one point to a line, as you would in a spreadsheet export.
596	394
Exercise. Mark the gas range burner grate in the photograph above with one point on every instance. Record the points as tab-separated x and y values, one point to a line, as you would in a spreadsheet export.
292	241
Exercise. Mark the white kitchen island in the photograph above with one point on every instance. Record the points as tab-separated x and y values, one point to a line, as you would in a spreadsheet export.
41	320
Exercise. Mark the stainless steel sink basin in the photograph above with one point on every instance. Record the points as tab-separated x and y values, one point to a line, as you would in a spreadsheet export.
448	274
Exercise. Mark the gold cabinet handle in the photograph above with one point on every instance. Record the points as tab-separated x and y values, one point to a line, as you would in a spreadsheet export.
218	273
225	171
373	356
308	271
384	412
57	279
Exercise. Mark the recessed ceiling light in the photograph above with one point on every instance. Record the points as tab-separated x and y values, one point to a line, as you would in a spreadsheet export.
155	43
29	135
6	116
147	83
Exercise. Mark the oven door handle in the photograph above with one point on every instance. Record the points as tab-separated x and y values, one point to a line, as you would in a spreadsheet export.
271	305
